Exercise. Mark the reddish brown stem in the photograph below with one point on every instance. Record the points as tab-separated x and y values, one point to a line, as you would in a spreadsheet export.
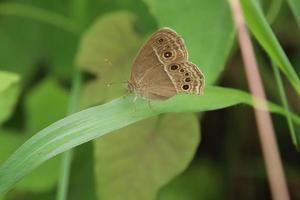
276	177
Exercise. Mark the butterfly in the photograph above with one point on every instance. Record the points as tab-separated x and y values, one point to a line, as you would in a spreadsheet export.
161	68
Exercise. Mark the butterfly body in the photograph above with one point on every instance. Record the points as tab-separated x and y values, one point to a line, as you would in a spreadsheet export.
161	68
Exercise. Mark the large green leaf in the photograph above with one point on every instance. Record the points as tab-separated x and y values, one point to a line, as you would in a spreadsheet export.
203	180
99	120
206	27
135	162
145	21
9	90
49	97
47	37
263	33
106	51
10	140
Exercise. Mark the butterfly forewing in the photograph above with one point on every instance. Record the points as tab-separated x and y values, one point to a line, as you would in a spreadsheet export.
161	68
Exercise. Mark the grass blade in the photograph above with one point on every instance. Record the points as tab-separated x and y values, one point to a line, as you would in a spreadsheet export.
285	105
263	33
97	121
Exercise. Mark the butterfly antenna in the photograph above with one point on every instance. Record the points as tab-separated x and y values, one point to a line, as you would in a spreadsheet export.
114	83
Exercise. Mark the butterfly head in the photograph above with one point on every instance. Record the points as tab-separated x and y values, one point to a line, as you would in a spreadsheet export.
130	87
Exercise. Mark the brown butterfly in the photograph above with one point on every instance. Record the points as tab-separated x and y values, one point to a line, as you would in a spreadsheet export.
161	68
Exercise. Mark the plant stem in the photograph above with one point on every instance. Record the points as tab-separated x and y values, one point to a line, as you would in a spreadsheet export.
63	184
276	177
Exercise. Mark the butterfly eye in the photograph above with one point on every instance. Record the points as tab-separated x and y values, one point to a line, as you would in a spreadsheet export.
188	79
160	40
174	67
185	87
181	70
167	54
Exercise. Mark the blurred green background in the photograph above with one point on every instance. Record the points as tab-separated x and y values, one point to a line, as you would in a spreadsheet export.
43	45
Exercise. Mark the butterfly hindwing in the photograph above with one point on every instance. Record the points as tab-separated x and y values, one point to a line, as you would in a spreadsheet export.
186	77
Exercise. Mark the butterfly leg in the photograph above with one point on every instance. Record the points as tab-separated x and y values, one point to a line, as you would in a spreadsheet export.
134	103
134	99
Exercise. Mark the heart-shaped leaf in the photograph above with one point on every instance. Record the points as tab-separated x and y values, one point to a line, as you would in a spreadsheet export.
135	162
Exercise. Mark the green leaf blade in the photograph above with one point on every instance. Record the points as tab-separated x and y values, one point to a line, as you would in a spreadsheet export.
63	135
99	120
263	33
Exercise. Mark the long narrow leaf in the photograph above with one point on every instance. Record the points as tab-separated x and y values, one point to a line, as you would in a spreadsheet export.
263	33
99	120
285	104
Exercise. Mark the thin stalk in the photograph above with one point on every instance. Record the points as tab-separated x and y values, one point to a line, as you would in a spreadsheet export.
78	12
276	177
63	183
285	105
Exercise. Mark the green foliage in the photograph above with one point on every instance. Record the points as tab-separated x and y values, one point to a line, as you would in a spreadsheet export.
202	180
146	146
9	90
46	95
295	7
206	27
99	120
262	31
109	59
45	36
82	171
149	154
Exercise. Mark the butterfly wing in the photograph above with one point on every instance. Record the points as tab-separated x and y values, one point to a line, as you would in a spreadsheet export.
157	85
152	75
186	77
